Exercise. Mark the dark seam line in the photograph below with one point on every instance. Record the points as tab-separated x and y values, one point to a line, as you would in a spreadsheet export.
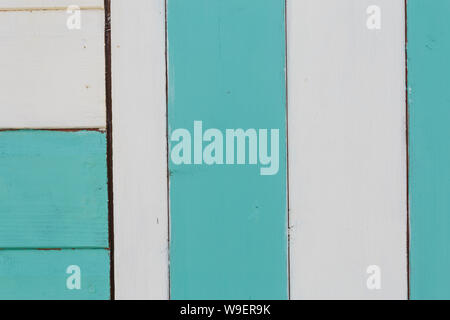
167	145
109	139
407	156
287	151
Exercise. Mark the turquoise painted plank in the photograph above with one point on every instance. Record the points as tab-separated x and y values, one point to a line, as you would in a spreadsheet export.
54	275
53	189
228	222
429	109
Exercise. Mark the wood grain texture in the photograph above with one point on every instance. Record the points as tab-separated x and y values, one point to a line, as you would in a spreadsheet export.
51	77
428	71
139	144
41	275
53	189
347	151
228	223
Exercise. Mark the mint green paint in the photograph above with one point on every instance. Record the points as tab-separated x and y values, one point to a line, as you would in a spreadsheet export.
228	223
429	108
41	275
53	189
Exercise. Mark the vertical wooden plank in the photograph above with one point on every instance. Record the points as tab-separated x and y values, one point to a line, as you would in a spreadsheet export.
45	275
429	114
139	149
228	222
347	151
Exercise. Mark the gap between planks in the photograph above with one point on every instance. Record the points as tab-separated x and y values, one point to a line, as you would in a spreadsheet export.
408	226
109	145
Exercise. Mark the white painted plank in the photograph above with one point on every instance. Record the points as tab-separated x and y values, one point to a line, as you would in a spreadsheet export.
50	4
139	144
346	149
51	77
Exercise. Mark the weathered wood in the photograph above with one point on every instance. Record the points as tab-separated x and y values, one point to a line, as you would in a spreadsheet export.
51	76
226	63
347	150
53	189
139	150
44	275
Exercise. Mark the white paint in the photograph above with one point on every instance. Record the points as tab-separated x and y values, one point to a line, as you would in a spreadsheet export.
139	150
347	151
51	77
46	4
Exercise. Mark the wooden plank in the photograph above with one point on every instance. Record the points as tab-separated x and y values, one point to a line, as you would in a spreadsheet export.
52	77
53	190
49	4
44	275
347	152
228	222
428	69
139	144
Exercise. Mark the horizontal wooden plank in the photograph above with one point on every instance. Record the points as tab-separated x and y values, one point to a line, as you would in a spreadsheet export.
50	4
54	275
52	76
141	234
53	189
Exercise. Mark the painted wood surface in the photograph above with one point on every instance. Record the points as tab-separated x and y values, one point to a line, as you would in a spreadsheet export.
51	77
429	114
53	190
347	152
139	144
43	275
49	4
228	223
